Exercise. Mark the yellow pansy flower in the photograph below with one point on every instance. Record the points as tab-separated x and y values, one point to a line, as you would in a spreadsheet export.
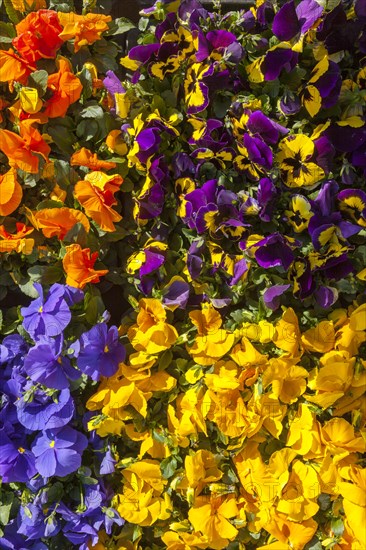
142	501
287	379
212	342
29	100
294	158
319	339
211	518
304	435
333	379
340	439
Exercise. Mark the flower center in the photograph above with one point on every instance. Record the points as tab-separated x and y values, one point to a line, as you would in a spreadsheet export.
52	444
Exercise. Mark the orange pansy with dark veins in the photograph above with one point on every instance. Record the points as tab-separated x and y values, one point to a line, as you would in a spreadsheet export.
23	151
78	264
66	88
96	196
10	192
84	157
84	29
56	222
38	35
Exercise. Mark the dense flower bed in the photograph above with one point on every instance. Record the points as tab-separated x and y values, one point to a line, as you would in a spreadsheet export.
212	181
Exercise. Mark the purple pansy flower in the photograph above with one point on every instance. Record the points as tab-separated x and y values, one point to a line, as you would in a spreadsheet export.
326	296
100	351
17	462
58	451
271	296
43	411
47	317
34	525
269	130
291	20
45	364
176	294
274	251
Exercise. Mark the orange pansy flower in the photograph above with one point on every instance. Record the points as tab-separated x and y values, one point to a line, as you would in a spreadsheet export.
84	157
116	143
79	266
16	242
96	195
66	88
13	67
38	35
85	29
10	192
56	222
22	151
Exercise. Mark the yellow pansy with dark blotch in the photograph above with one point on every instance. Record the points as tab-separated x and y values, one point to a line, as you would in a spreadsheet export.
323	88
300	213
162	68
184	39
353	203
196	91
295	158
302	278
255	157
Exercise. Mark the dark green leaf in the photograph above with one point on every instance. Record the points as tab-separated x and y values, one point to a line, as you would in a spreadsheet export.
38	80
119	26
5	508
168	466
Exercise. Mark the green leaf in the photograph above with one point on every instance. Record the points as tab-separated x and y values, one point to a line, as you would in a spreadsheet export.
92	111
7	33
5	508
119	26
28	289
13	14
337	526
38	80
94	308
168	466
45	274
65	174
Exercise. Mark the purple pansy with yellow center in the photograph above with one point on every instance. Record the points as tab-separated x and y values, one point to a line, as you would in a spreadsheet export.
17	463
100	351
46	317
44	363
58	451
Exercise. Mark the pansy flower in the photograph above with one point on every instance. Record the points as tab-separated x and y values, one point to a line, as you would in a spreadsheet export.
17	462
10	192
66	89
100	351
274	251
44	363
291	20
34	524
96	195
195	89
295	158
58	451
323	88
18	241
83	29
39	410
46	317
24	150
38	35
78	264
57	222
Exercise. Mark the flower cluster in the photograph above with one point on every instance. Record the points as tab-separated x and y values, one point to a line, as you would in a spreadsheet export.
213	177
44	440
